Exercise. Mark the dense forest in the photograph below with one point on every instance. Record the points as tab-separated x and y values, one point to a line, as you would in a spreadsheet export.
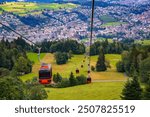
13	57
136	59
136	64
14	62
63	46
116	47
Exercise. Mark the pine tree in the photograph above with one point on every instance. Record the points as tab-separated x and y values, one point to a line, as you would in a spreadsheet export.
132	90
132	69
72	79
100	65
57	78
145	70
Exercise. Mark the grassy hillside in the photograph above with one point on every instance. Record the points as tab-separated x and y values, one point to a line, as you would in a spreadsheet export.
76	62
145	42
94	91
112	24
106	85
107	18
110	21
23	8
34	57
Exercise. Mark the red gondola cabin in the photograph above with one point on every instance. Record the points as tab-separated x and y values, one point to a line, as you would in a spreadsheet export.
89	79
45	74
77	71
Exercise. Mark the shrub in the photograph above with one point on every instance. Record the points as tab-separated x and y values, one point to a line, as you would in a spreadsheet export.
64	83
120	66
23	65
34	90
57	78
4	72
81	79
132	90
145	70
61	58
73	80
11	88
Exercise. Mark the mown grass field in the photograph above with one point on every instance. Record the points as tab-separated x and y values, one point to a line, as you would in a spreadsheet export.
34	57
144	42
23	8
112	24
109	21
93	91
76	62
108	86
103	39
107	18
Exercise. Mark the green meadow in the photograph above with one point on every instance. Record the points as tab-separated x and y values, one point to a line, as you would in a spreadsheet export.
24	8
110	21
107	18
112	24
105	85
75	62
144	42
93	91
34	57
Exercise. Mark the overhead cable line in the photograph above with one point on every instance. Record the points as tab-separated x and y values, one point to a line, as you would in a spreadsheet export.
8	27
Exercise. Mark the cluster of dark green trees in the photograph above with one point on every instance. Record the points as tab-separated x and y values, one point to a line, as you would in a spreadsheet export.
63	46
63	49
14	62
104	47
62	57
136	64
136	59
133	91
68	82
13	57
12	88
116	47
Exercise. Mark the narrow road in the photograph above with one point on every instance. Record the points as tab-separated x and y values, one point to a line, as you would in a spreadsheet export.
109	80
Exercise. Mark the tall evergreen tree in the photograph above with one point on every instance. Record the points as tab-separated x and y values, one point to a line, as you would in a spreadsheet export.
72	79
132	90
100	65
145	70
57	78
132	69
